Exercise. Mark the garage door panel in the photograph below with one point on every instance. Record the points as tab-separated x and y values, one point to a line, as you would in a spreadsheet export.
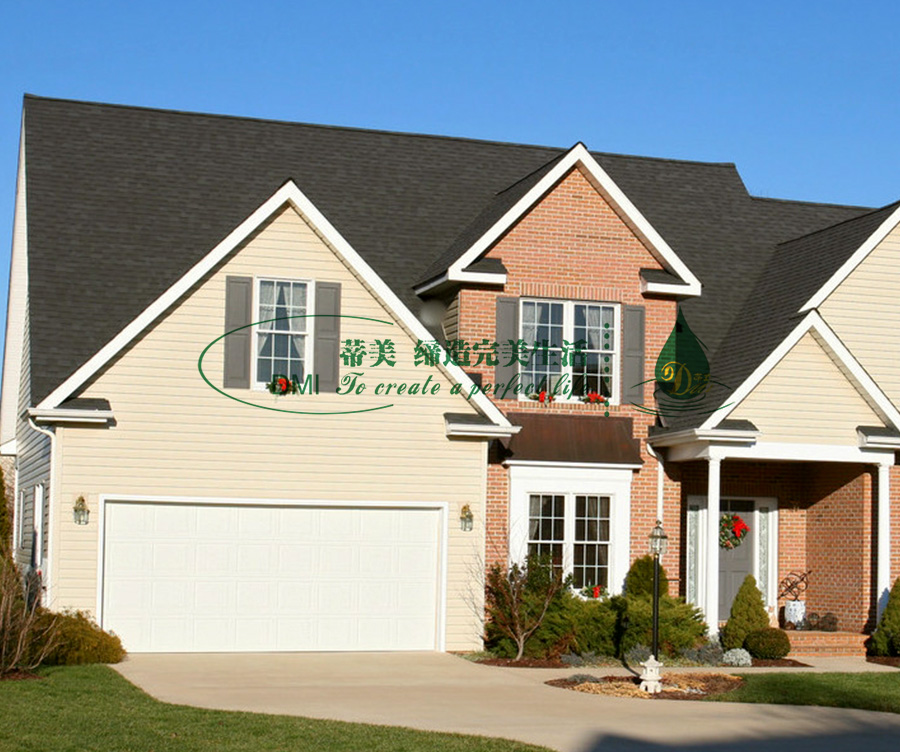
226	578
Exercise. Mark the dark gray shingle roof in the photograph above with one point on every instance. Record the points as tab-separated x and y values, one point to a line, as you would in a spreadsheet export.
122	201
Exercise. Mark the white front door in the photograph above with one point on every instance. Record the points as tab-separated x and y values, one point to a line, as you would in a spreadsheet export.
757	555
183	577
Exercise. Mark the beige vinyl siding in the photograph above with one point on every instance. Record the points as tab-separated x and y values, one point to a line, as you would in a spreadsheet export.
32	461
176	436
864	312
807	398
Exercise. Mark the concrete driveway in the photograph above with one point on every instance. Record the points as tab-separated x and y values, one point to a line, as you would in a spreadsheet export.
440	692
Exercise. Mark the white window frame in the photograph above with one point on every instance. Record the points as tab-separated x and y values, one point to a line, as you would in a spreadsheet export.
39	501
569	336
308	345
596	480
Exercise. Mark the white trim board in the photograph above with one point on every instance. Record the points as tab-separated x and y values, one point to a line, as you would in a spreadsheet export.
291	195
851	263
578	155
442	507
825	336
16	310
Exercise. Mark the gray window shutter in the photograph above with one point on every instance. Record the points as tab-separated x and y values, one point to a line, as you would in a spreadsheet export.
238	312
633	355
327	335
507	329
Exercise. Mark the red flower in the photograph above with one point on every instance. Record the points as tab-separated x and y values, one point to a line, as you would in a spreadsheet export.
542	396
596	591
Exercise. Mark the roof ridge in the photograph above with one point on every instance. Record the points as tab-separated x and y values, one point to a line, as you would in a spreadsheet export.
297	123
814	203
671	160
360	129
842	222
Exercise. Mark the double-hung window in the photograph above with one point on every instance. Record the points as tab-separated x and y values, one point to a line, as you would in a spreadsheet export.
573	347
574	531
283	334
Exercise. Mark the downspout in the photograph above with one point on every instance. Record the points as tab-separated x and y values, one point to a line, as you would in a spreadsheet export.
660	481
51	508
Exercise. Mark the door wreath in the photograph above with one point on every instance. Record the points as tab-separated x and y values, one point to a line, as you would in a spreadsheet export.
732	531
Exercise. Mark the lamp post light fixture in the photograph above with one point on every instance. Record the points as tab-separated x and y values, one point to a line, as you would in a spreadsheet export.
466	518
650	678
80	511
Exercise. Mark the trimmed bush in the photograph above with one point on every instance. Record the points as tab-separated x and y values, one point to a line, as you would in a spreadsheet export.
571	624
79	640
748	614
770	643
639	580
594	624
681	625
885	639
737	657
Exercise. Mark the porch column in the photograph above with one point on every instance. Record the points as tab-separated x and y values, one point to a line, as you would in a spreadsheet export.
883	555
712	545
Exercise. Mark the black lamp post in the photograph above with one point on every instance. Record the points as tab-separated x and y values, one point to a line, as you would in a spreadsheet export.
659	544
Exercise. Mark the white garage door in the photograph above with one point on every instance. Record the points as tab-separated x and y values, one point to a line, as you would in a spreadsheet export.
214	578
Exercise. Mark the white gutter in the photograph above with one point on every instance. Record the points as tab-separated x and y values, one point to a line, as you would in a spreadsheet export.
477	431
57	415
660	480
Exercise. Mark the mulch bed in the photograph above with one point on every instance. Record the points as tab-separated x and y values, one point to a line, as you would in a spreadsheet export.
18	676
556	663
780	662
524	663
884	660
675	686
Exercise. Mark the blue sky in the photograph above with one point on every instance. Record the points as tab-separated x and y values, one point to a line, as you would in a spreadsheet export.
802	96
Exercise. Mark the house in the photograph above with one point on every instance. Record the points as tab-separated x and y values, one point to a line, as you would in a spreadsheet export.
276	386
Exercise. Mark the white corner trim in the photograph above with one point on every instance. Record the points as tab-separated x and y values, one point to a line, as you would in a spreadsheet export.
69	416
16	306
851	263
290	194
8	449
578	154
812	322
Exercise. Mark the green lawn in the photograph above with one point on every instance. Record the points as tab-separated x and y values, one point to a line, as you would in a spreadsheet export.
93	709
867	691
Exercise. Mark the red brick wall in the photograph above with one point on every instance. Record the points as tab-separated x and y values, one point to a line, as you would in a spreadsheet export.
573	246
839	542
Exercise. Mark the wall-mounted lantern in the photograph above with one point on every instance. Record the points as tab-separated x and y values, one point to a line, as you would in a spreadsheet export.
80	511
466	518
